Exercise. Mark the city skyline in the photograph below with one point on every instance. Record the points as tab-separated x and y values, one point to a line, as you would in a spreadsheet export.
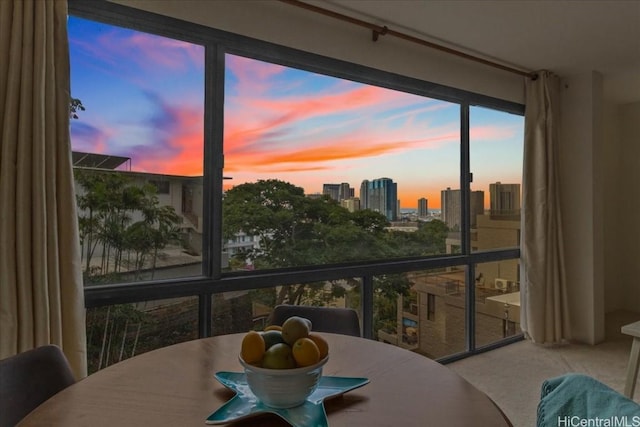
144	99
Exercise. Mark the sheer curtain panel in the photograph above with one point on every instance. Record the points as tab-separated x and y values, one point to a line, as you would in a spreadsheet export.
41	295
545	316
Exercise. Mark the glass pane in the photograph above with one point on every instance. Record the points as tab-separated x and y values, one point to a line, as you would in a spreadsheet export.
497	301
137	141
241	311
422	311
496	151
118	332
324	170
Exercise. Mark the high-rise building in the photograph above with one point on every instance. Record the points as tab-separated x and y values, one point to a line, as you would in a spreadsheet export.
383	197
338	192
332	190
423	210
364	194
504	198
345	192
452	208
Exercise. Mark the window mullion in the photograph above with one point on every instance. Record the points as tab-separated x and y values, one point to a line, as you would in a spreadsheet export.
465	232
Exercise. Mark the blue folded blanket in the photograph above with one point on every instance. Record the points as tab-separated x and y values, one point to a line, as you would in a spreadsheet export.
579	400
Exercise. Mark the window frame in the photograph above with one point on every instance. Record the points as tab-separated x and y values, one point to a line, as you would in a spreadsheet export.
217	44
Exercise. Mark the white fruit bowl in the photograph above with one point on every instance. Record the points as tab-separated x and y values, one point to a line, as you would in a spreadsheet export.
283	388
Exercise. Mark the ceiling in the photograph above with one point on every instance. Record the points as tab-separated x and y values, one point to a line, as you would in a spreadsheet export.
565	36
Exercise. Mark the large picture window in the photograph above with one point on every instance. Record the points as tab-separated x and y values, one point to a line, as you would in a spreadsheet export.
138	151
322	170
224	175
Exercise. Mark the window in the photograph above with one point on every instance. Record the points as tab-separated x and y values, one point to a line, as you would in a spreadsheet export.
139	138
262	175
496	149
323	170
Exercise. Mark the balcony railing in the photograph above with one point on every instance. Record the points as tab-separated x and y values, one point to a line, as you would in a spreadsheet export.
204	307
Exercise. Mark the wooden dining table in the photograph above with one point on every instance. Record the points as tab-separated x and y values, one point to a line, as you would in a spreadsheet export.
175	386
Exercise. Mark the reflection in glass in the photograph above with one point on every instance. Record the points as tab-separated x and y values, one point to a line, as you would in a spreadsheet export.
118	332
240	311
497	301
431	318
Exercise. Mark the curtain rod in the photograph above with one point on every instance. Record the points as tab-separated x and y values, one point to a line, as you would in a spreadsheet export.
378	31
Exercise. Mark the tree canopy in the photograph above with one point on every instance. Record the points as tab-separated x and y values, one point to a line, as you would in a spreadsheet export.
295	230
121	218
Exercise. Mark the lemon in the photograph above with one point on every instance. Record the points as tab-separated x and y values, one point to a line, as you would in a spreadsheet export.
305	352
279	356
295	328
322	344
253	347
271	337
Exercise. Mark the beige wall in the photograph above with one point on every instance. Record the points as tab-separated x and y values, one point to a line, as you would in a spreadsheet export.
614	294
628	208
580	141
622	206
600	182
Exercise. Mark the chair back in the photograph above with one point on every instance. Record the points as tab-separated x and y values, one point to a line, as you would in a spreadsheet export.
323	319
28	379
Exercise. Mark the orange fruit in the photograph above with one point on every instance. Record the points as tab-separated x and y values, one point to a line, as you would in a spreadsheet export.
305	352
253	347
322	344
273	328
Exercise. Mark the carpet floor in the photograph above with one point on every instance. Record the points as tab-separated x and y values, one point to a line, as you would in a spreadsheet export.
512	375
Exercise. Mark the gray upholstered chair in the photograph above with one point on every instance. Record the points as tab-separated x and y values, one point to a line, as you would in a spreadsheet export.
28	379
323	319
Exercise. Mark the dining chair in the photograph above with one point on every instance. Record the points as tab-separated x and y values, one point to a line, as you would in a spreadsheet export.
323	319
28	379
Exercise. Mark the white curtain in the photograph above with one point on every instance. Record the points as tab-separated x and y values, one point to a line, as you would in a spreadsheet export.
544	311
41	295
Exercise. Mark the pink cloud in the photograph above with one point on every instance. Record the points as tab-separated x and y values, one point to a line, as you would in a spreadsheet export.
90	139
491	133
132	54
177	141
253	76
248	121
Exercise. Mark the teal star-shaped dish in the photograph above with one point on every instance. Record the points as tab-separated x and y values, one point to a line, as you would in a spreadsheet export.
310	413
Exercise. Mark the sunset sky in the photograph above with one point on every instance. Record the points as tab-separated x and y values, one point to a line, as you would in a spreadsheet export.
144	99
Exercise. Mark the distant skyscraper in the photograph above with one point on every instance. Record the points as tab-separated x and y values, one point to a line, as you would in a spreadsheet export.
345	192
423	210
383	197
332	190
505	199
452	208
364	194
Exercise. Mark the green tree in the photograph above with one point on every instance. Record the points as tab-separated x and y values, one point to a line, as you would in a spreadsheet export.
296	230
434	235
109	202
75	105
